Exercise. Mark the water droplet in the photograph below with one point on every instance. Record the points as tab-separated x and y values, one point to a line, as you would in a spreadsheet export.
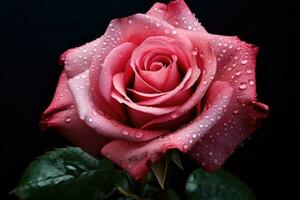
210	153
157	24
185	146
139	135
238	48
244	62
129	21
68	119
176	22
167	31
195	51
194	135
201	125
90	120
204	82
238	73
146	27
243	85
174	115
216	161
70	167
236	111
174	32
249	71
125	132
190	28
230	46
190	141
224	51
251	82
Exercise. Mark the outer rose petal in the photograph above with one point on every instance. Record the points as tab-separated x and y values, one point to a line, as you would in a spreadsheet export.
135	157
236	66
102	124
62	115
178	14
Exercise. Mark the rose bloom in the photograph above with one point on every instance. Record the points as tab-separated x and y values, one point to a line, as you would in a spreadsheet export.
155	82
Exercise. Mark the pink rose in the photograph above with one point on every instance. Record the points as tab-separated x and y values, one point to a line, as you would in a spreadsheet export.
155	82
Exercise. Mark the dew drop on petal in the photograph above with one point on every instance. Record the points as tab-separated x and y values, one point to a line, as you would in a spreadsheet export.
129	21
195	51
139	135
244	62
68	119
251	82
125	132
249	71
238	73
236	111
243	85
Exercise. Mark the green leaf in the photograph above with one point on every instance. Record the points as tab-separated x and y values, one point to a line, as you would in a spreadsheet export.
220	185
159	169
67	173
172	195
173	156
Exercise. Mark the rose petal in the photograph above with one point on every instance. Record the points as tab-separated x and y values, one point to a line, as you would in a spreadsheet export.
110	67
62	116
236	66
168	95
178	14
101	123
146	109
136	157
208	72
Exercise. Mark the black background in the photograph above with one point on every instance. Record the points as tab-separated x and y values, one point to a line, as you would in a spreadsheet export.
35	33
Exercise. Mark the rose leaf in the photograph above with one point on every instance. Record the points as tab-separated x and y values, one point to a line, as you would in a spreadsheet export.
67	173
220	185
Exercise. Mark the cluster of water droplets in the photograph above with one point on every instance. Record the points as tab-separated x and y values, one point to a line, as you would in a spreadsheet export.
238	66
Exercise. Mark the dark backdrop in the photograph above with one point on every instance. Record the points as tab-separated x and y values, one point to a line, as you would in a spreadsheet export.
35	33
